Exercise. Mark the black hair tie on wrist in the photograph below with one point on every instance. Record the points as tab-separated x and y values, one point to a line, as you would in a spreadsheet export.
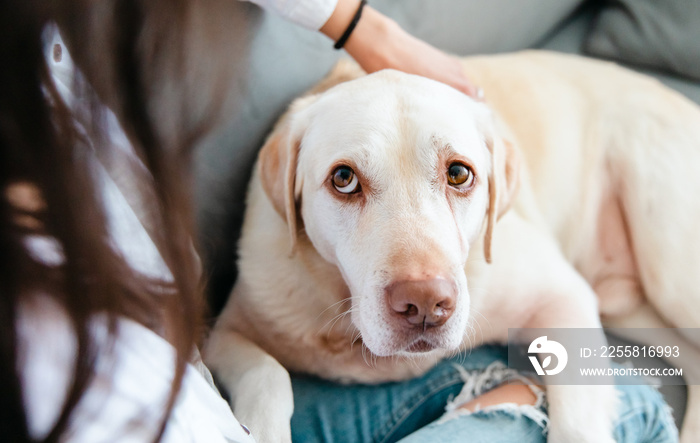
346	35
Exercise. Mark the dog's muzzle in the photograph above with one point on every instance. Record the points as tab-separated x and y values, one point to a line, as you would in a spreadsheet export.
419	307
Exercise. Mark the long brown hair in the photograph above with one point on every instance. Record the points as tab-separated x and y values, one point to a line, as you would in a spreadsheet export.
41	149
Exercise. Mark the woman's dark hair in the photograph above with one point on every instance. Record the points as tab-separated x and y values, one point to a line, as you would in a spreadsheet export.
41	150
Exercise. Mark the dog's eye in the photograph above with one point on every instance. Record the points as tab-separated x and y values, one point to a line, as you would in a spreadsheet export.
345	180
460	175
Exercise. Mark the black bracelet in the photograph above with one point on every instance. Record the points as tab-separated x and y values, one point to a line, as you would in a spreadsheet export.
346	35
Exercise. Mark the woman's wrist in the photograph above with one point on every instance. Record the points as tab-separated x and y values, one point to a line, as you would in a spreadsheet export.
339	20
371	42
371	34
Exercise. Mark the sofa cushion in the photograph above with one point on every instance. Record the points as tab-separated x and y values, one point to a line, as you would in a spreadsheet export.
571	36
652	33
478	27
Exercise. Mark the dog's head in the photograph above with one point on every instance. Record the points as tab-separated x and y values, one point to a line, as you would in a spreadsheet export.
393	177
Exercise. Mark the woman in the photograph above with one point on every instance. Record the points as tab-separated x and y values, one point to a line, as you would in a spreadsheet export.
99	316
78	319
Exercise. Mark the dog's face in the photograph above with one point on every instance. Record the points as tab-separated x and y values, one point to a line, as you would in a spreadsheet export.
390	174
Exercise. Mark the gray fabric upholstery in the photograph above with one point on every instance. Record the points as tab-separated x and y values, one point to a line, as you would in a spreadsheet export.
571	37
477	27
659	34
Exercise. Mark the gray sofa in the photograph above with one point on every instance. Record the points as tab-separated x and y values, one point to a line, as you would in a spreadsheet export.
274	61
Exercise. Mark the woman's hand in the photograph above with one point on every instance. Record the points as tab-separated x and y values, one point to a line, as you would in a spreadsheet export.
378	42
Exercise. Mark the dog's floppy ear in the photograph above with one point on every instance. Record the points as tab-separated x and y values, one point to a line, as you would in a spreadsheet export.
277	165
503	179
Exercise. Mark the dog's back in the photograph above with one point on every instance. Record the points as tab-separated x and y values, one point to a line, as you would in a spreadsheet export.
612	158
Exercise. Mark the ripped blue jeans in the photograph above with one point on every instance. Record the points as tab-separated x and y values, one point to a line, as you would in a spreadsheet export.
421	410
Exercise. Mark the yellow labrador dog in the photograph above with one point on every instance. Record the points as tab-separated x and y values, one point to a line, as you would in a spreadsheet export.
434	221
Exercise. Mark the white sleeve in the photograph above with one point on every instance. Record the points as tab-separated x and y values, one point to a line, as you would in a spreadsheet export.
127	396
311	14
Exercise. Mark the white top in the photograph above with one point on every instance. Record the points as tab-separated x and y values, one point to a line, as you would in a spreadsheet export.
311	14
134	380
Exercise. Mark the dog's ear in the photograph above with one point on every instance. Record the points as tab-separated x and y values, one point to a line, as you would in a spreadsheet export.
503	179
277	166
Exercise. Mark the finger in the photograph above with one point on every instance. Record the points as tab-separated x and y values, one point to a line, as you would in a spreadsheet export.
471	90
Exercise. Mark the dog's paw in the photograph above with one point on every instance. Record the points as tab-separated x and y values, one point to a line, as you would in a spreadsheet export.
268	419
270	433
265	409
268	424
583	414
262	400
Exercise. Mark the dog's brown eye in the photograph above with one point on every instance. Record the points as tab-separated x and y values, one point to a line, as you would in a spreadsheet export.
345	180
460	175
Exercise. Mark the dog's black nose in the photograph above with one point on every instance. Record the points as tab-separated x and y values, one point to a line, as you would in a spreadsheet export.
423	303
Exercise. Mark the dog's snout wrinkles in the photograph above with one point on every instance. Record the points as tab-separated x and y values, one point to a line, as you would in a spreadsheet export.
423	303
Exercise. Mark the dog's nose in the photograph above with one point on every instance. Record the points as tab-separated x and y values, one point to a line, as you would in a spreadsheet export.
423	302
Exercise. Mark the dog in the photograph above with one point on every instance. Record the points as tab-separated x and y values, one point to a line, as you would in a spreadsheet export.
432	221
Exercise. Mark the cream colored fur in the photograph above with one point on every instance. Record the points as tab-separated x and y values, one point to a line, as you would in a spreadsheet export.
586	176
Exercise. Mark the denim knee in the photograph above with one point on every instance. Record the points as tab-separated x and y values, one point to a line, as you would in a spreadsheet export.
644	417
425	408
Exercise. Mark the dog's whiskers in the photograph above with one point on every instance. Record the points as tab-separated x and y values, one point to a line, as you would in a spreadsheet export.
355	338
474	311
461	351
333	321
415	364
364	355
334	305
347	329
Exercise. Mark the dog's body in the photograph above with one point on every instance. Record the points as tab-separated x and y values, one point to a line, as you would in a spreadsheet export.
590	171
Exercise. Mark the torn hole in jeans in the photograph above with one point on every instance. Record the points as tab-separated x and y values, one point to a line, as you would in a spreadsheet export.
479	382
